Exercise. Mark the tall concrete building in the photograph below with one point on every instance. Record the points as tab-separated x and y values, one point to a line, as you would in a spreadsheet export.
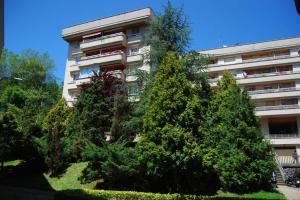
270	72
1	25
113	43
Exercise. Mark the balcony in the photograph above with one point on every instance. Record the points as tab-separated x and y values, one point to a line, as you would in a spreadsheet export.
104	41
255	63
278	110
115	57
283	139
134	38
274	93
134	58
74	84
264	77
73	68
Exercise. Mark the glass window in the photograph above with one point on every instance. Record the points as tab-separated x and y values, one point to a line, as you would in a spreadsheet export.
283	127
88	72
229	59
135	31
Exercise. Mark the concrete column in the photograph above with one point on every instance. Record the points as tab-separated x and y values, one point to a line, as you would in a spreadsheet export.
298	124
264	126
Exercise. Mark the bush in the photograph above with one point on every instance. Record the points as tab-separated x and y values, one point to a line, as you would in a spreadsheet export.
129	195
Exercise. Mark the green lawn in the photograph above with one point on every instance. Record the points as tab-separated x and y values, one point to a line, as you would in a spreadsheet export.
12	163
69	180
17	173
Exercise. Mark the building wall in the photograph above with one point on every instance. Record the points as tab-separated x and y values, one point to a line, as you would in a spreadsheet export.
265	76
123	36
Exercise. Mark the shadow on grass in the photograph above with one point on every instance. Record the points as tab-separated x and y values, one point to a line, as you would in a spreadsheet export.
26	175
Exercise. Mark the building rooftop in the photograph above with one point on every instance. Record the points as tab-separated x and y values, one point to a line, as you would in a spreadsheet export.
257	46
123	19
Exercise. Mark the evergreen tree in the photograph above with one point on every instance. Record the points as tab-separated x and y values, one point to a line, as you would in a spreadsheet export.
169	31
55	126
169	149
10	138
233	140
114	163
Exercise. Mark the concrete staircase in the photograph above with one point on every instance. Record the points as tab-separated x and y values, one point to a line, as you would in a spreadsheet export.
280	180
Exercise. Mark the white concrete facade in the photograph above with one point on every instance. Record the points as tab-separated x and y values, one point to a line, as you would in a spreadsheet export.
114	43
270	73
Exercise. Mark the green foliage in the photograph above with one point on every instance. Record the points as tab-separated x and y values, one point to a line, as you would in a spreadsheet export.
171	98
114	163
93	113
28	90
169	149
129	195
54	126
233	141
169	31
10	138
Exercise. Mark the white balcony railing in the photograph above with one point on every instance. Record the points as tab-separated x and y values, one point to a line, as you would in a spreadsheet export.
259	75
275	90
102	37
282	136
102	55
274	57
277	107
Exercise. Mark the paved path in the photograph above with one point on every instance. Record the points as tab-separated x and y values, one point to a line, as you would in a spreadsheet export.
291	193
15	193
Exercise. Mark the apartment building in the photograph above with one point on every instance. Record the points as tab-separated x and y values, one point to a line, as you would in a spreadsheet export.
114	44
270	72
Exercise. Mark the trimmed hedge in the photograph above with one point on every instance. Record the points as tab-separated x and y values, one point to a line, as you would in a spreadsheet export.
87	194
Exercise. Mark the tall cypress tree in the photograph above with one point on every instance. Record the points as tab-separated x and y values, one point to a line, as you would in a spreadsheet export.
233	140
170	147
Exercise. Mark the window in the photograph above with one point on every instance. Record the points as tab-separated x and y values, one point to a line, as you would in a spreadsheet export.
283	126
229	59
133	51
77	59
75	77
135	31
88	72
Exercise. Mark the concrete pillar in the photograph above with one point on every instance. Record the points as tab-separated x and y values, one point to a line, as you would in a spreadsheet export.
264	126
298	124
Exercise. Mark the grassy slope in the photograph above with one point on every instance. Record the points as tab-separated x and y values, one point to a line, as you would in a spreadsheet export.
17	173
70	179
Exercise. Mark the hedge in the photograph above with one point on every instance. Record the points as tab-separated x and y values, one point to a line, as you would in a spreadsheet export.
87	194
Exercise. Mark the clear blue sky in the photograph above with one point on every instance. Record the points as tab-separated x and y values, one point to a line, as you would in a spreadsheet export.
37	24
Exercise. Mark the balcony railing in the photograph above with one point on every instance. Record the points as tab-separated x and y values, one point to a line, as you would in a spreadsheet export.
274	57
282	136
101	55
277	107
275	90
134	36
102	37
260	75
267	74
